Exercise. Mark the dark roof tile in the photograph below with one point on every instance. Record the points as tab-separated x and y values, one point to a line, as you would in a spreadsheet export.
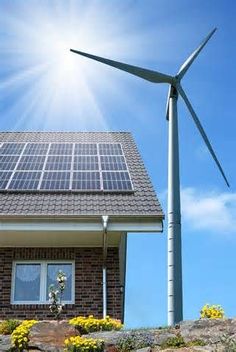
143	202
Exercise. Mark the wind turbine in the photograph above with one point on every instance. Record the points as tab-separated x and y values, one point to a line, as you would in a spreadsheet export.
175	295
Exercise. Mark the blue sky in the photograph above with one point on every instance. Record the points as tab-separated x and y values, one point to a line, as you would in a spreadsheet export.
44	87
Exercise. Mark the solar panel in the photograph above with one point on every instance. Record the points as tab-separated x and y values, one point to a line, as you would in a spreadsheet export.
36	149
86	181
11	148
110	149
85	149
4	178
116	181
55	180
58	162
8	162
26	180
61	149
85	162
31	162
64	166
113	163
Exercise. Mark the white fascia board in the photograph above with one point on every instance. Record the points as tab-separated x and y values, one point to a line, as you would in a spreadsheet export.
138	226
114	225
50	226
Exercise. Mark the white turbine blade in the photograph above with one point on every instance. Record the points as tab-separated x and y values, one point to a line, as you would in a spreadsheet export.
201	130
149	75
167	103
183	69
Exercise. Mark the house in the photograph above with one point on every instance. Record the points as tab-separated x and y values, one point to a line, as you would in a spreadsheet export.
67	202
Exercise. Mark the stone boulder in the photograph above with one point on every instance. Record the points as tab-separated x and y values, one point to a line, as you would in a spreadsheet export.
215	333
218	335
5	343
211	331
49	336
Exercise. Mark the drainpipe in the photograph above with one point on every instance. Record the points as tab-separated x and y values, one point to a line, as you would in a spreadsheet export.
104	268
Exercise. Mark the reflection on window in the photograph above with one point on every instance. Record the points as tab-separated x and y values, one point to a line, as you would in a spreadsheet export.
27	282
52	270
31	281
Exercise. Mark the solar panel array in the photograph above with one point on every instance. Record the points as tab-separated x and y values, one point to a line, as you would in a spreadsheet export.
63	167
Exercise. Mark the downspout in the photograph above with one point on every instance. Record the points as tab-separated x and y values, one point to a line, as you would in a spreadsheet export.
104	268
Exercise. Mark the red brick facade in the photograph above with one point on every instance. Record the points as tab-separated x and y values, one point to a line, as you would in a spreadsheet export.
88	282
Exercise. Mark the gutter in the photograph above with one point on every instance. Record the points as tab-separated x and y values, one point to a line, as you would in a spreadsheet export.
104	267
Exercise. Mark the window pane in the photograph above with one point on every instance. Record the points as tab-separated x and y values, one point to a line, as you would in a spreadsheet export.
52	271
27	282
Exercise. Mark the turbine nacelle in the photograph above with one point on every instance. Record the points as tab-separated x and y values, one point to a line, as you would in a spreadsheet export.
173	81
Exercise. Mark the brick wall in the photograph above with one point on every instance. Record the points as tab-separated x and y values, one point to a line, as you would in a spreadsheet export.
88	282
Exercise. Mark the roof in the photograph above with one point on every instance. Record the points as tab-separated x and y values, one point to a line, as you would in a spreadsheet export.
142	202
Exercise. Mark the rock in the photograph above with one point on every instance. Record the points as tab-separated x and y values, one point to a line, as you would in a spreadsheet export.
110	337
145	349
49	336
5	343
210	331
111	349
161	336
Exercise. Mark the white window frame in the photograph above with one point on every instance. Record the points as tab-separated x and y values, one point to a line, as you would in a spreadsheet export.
43	280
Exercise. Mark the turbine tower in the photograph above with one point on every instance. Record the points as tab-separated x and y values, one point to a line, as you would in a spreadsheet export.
175	295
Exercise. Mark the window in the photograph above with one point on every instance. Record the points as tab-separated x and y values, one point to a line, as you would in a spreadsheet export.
31	281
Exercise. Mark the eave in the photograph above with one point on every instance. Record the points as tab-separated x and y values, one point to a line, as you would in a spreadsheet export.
81	231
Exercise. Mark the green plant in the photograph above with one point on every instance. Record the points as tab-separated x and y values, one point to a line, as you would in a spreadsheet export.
134	341
8	326
196	342
89	324
82	344
19	336
56	293
177	342
212	312
229	343
126	343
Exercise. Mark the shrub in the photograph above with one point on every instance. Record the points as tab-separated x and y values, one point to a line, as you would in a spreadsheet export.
8	326
135	341
229	343
176	342
82	344
212	312
86	325
19	336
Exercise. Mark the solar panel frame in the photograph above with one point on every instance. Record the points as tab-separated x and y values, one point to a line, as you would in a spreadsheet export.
98	153
55	178
30	162
86	163
13	148
120	154
113	162
25	178
91	179
118	180
110	149
58	163
4	179
36	148
92	149
60	149
8	162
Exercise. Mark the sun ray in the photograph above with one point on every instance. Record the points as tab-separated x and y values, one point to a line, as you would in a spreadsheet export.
42	84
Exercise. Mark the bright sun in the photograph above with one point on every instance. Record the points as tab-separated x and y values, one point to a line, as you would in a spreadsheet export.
44	80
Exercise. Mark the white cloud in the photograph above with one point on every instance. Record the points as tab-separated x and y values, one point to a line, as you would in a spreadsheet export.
209	211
